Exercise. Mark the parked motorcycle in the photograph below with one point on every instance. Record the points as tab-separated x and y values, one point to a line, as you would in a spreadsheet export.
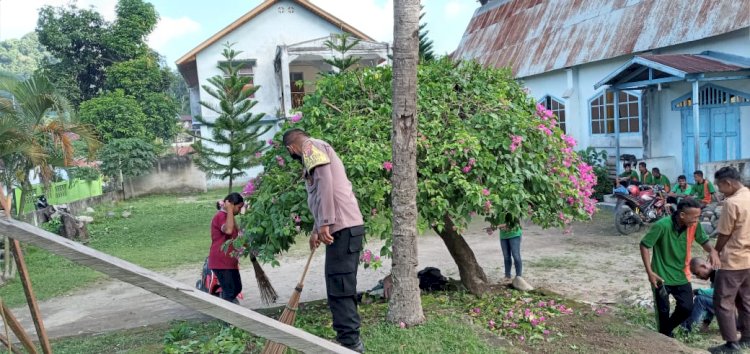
640	205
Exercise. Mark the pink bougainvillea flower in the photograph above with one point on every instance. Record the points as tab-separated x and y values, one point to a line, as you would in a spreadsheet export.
491	324
270	141
258	155
466	169
476	310
295	118
544	129
388	166
296	218
546	332
569	140
486	192
472	161
280	160
402	325
522	338
516	141
377	258
249	188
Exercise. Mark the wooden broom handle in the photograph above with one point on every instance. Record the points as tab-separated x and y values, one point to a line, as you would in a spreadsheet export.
307	265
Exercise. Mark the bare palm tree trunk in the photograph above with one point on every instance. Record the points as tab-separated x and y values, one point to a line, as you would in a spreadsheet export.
405	305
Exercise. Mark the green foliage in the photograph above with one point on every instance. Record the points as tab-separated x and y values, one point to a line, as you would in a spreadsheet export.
132	157
35	129
425	44
136	19
179	90
115	116
236	130
84	45
230	340
598	160
137	77
469	117
22	56
161	115
53	226
341	44
83	173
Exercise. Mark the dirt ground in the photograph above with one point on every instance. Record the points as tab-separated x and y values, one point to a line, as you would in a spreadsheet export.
593	264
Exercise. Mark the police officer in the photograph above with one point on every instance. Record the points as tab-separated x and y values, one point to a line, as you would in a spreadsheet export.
338	224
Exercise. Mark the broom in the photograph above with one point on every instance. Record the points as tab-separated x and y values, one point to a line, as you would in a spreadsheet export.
290	311
267	292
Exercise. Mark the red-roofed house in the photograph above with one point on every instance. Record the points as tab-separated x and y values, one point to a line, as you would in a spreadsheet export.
672	67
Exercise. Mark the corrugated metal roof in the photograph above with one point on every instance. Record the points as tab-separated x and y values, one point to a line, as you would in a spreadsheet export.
536	36
693	64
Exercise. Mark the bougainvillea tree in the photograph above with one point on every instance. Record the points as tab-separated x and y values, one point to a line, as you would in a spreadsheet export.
486	151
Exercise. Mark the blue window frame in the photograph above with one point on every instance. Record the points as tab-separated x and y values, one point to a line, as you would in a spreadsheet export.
602	113
557	106
712	96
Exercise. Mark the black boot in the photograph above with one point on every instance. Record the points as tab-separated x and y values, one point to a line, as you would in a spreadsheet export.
726	348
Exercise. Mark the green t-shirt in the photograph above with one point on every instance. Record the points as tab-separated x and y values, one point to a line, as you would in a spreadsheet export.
669	250
662	180
698	189
687	191
512	233
632	174
647	178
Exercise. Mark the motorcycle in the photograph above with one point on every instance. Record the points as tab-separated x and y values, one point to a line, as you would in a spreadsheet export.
639	205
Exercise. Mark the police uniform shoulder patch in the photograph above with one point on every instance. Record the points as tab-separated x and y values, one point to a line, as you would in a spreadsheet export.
313	157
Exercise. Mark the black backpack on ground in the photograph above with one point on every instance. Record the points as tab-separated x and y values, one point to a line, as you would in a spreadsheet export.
430	279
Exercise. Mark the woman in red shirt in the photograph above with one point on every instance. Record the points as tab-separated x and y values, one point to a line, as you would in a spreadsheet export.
224	264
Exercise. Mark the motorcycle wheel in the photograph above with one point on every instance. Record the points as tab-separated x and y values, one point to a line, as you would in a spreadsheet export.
626	222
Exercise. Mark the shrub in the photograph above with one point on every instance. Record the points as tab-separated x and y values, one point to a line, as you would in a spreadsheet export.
598	159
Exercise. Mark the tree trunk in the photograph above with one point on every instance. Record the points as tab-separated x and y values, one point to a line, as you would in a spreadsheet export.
472	274
405	304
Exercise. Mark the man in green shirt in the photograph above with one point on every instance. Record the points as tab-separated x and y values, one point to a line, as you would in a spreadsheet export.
665	251
680	190
656	178
627	176
645	176
703	189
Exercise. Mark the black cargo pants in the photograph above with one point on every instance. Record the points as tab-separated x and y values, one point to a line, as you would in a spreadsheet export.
342	260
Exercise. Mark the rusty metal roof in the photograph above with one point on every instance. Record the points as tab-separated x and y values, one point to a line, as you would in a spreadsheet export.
646	70
693	64
536	36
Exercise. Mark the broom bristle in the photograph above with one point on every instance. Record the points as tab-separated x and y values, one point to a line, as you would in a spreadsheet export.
287	317
267	292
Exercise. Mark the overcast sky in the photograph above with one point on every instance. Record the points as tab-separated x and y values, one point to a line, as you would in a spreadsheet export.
184	24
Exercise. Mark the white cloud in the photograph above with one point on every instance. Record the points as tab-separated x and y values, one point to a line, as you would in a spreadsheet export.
18	17
171	28
374	20
454	9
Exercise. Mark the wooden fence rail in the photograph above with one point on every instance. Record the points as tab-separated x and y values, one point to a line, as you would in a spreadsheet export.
130	273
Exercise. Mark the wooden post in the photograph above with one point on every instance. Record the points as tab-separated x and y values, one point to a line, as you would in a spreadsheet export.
161	285
8	345
16	327
23	273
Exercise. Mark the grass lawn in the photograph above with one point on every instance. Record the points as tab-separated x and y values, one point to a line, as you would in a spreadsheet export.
182	238
456	323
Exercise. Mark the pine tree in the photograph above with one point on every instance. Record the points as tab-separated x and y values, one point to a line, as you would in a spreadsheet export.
236	130
341	44
425	44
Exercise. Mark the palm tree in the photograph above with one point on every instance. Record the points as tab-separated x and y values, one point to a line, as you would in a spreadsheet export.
36	129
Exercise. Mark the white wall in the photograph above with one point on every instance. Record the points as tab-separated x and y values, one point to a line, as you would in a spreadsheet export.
665	125
258	39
